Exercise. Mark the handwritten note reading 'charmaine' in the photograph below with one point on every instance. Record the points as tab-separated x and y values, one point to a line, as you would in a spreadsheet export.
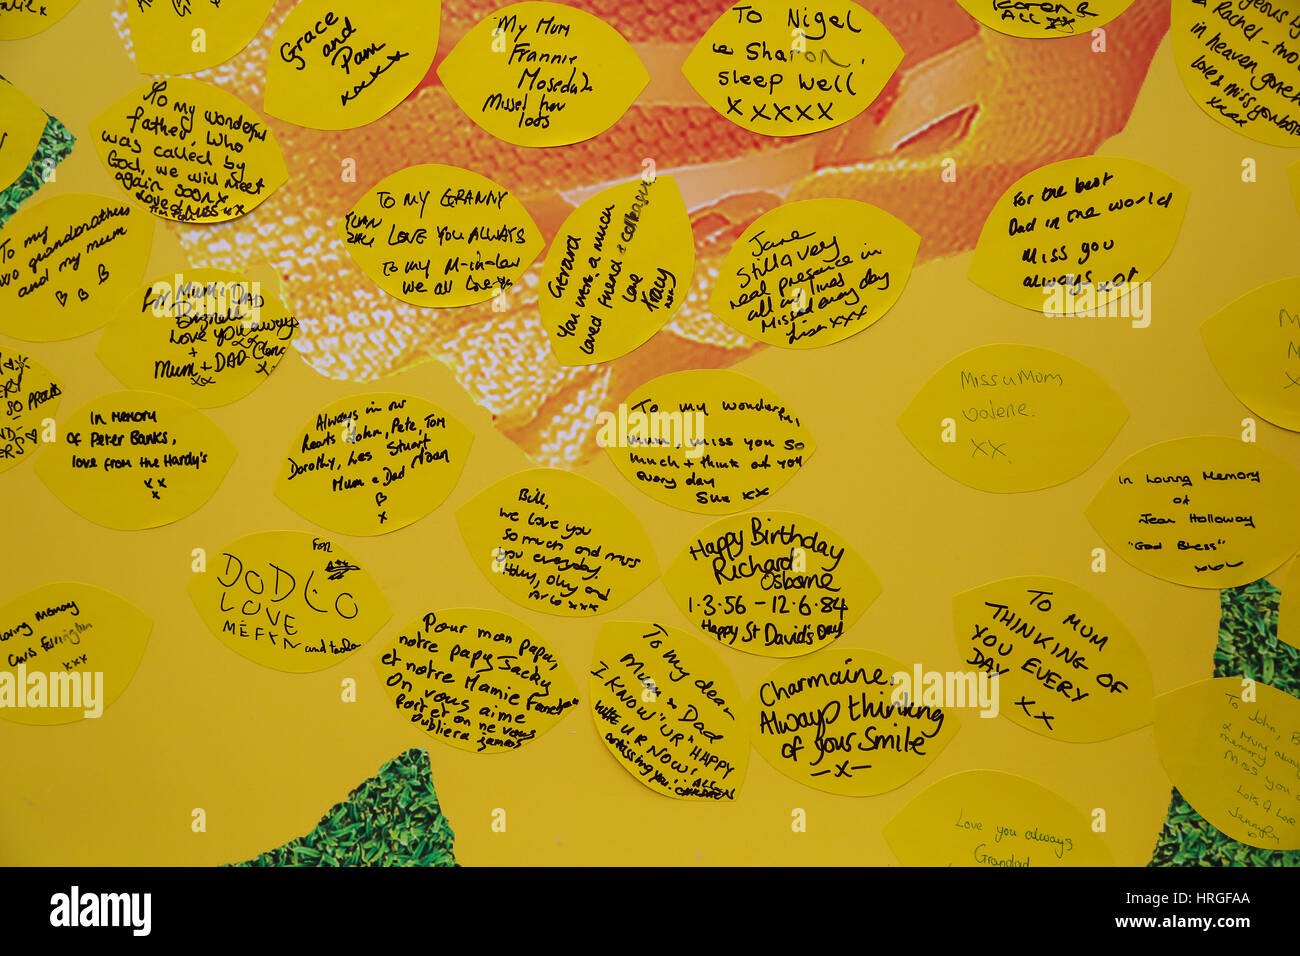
31	394
1255	345
1037	19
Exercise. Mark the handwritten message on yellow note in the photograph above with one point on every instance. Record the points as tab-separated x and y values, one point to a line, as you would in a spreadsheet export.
1208	512
206	336
1232	748
187	37
20	19
1288	609
771	583
340	64
814	272
543	74
69	651
1072	237
368	464
1009	418
786	70
669	711
1255	345
831	721
479	680
133	460
289	600
189	151
66	262
989	818
31	394
1066	666
21	124
441	236
617	271
1038	19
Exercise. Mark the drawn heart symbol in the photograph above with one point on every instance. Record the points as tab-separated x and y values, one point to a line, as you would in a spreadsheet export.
380	497
83	295
62	297
103	274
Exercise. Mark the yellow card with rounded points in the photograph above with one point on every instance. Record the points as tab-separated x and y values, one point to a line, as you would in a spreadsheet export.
436	235
831	721
553	541
669	711
479	680
21	124
189	37
1032	21
340	64
543	74
370	464
70	651
784	71
814	272
289	600
990	818
206	336
1288	608
1066	666
1207	512
31	395
1255	345
19	20
134	460
189	151
1072	238
1010	418
617	271
66	262
1231	746
771	583
705	440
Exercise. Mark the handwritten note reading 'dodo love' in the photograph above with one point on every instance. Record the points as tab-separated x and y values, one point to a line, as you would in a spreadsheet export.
31	394
185	37
1039	19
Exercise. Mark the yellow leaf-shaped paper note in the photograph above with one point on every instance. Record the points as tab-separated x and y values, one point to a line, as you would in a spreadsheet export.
20	19
706	440
369	464
1051	642
21	124
1255	345
989	818
69	651
66	263
832	721
669	711
617	271
479	680
543	74
1009	418
1038	20
188	37
554	541
784	71
1208	512
189	151
441	236
31	395
1293	176
205	335
1069	238
814	272
289	600
1231	747
340	64
771	583
132	460
1288	608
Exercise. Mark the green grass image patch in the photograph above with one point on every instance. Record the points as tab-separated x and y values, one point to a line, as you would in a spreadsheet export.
54	147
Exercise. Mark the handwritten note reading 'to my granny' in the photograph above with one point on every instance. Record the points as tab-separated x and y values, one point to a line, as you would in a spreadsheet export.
31	394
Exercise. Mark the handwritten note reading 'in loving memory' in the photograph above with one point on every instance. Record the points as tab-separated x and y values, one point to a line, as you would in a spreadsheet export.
20	19
1255	345
289	600
1009	418
669	711
1069	238
476	679
31	394
617	271
814	272
1232	748
785	69
543	74
1038	19
187	37
340	64
205	335
66	262
1207	512
440	236
133	460
989	818
21	124
368	464
771	583
189	151
67	651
